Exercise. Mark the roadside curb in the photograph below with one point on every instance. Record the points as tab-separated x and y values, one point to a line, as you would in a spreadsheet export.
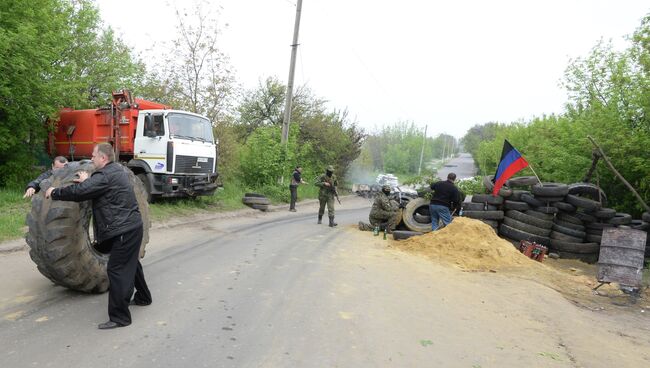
13	245
222	215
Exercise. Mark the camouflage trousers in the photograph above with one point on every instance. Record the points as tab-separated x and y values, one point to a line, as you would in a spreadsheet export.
384	223
329	201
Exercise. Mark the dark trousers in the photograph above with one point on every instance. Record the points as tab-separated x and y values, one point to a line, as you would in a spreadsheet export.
124	274
294	196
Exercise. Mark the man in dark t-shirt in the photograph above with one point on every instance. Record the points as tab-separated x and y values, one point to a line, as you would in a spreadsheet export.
445	196
296	179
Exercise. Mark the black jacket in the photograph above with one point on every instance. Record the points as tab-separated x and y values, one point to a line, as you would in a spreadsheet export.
36	183
115	209
445	193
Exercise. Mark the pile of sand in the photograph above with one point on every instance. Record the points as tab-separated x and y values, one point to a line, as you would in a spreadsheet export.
467	243
474	246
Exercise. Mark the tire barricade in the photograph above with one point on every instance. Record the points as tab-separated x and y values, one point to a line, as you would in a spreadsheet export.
569	219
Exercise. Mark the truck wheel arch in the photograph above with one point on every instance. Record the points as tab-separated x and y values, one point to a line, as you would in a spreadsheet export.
143	171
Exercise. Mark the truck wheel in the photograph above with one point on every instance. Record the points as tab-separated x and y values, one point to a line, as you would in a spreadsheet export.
59	237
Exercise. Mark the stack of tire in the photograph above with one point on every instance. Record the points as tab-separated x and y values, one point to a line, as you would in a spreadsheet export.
528	214
256	201
484	207
645	225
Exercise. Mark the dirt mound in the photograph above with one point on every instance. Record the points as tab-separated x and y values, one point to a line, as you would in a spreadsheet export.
473	246
467	243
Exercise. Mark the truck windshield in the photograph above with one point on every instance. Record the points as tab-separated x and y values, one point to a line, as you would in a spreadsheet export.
190	127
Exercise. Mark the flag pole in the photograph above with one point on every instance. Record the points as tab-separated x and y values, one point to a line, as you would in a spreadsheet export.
531	169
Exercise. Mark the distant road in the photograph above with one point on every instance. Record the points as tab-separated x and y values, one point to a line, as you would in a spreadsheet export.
463	166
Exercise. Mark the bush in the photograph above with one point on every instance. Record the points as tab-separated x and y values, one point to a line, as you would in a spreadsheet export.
471	186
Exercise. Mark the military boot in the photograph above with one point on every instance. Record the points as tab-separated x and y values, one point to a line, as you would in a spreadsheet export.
320	219
332	223
364	226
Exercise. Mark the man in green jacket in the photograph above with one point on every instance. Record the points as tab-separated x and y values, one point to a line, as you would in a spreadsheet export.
384	212
327	184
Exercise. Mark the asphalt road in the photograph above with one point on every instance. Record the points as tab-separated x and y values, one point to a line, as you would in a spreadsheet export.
250	289
463	166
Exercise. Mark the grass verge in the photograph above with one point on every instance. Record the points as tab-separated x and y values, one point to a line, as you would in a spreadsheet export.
14	209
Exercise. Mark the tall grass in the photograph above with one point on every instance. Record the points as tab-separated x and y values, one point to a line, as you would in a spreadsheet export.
13	210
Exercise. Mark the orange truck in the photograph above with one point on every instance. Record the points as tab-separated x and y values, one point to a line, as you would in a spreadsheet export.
172	152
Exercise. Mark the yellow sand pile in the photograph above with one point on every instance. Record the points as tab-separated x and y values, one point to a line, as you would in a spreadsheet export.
469	244
474	246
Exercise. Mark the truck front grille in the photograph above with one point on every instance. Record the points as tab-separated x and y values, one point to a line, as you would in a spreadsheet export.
193	165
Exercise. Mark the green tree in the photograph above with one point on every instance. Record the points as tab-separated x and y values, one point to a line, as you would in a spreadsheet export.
194	74
53	53
321	137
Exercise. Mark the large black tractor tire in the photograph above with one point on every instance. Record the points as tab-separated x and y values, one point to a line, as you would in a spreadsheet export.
59	235
148	187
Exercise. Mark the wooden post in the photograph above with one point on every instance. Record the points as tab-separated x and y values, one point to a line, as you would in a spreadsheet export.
618	175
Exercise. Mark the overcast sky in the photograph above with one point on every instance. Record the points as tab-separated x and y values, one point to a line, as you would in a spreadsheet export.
445	64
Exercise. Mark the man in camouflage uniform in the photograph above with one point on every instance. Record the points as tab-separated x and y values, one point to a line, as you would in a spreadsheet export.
384	212
327	184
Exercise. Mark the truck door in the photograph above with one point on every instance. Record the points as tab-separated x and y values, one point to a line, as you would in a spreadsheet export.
151	144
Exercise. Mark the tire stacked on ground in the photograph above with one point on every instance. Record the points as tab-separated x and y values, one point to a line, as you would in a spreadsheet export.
645	225
416	217
580	222
519	225
485	207
529	214
256	201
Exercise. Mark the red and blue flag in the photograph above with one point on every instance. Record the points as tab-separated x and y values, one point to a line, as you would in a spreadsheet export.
511	162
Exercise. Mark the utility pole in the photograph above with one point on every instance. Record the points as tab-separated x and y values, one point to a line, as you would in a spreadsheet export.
424	139
292	70
444	147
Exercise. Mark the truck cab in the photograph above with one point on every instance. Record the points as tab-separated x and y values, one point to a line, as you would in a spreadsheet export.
175	154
